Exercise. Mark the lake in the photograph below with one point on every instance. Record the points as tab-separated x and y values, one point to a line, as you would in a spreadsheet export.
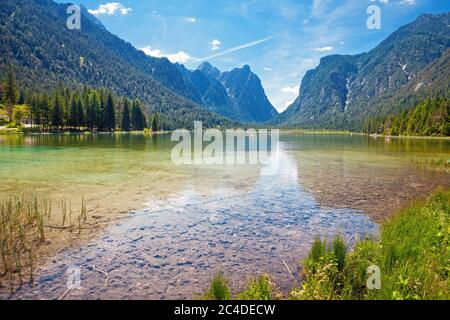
169	228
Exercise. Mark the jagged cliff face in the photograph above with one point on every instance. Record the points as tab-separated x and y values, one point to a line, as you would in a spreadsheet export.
237	94
342	90
246	91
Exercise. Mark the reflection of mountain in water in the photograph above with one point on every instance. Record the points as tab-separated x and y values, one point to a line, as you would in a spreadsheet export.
172	249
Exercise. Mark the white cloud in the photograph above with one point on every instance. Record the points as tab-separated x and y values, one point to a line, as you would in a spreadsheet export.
324	49
190	19
267	69
291	90
215	44
408	2
180	56
110	8
383	1
242	46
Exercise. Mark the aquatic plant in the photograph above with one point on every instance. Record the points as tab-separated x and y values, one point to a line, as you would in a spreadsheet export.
24	224
219	289
412	255
260	288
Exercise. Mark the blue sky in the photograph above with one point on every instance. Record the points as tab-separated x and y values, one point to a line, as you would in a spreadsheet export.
279	39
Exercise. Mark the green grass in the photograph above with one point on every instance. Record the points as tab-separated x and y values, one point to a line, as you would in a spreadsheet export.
219	290
432	163
413	254
259	288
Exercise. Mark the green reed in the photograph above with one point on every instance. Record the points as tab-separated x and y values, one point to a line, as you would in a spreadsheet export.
24	226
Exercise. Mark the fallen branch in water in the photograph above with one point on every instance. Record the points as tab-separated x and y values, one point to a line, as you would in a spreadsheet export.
289	270
103	272
65	293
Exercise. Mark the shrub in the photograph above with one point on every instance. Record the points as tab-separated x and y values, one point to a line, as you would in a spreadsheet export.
219	289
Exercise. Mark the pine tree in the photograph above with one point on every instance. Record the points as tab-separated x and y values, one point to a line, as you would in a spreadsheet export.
34	109
110	115
10	91
155	124
100	115
125	124
44	111
21	97
28	97
137	117
58	111
80	112
93	110
73	119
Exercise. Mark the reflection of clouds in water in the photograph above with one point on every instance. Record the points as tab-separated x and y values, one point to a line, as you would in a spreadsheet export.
172	248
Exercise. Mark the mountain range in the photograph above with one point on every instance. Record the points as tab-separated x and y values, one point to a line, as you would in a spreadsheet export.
237	94
340	93
343	90
34	38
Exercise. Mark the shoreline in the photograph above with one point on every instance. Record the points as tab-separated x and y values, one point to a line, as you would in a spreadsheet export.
282	131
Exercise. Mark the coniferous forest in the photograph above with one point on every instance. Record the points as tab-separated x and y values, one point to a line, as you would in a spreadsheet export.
64	109
429	118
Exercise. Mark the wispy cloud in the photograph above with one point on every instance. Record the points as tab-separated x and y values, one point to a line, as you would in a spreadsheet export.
159	18
190	19
324	49
179	57
111	9
237	48
408	2
319	7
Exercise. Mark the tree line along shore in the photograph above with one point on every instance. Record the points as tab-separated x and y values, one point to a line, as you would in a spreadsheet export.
71	110
89	109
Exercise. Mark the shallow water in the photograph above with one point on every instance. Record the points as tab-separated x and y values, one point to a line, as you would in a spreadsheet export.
211	219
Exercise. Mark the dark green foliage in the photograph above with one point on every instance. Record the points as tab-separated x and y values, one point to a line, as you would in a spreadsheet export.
75	114
318	250
339	252
58	111
110	114
429	118
412	254
138	122
125	124
126	120
93	110
10	91
260	288
22	97
155	123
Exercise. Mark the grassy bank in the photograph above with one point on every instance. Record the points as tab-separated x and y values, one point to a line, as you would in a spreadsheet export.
413	254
